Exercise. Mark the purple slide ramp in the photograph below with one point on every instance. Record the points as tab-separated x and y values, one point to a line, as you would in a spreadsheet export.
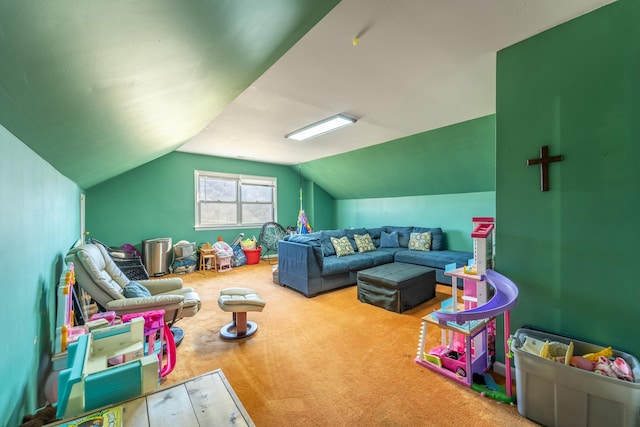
504	298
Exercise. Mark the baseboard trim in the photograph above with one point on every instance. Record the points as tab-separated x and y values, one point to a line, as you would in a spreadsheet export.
501	369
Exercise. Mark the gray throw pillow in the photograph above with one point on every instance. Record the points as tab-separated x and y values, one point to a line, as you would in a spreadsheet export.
134	290
389	240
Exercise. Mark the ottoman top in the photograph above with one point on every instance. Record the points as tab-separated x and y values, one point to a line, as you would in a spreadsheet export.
395	274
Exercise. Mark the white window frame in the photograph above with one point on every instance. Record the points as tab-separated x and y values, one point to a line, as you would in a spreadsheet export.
239	180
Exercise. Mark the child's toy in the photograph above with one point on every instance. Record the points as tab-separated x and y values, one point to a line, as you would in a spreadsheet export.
606	352
468	327
303	226
66	331
158	338
89	383
224	253
447	358
109	316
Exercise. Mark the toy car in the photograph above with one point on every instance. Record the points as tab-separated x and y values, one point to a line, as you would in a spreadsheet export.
449	359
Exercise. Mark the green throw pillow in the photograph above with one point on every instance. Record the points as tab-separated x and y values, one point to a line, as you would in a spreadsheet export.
342	246
364	243
420	242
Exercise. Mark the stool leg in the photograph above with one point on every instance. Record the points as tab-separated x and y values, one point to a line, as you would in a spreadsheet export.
240	327
240	319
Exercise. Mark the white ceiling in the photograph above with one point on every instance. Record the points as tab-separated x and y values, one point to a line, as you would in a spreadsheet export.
419	65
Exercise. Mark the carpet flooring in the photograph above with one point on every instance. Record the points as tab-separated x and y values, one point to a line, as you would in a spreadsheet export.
327	361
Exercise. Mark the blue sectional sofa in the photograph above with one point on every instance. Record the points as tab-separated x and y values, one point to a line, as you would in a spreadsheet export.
308	262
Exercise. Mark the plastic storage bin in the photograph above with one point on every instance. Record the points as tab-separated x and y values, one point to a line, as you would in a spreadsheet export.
553	394
253	255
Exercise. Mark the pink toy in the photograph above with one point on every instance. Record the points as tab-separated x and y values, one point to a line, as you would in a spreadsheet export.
159	338
109	316
449	359
468	327
66	331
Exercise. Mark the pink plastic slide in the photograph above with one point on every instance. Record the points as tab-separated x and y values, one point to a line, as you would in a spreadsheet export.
504	298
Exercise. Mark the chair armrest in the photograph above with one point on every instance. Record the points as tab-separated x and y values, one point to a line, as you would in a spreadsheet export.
160	286
139	304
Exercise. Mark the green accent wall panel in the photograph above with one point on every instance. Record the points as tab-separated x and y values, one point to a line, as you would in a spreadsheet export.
571	250
459	158
40	222
451	212
323	212
318	205
157	200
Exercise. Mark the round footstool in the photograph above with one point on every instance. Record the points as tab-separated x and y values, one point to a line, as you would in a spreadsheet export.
239	301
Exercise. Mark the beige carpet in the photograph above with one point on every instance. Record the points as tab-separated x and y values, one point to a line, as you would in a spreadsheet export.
327	361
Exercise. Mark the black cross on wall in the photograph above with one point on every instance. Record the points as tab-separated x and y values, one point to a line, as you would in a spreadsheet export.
544	161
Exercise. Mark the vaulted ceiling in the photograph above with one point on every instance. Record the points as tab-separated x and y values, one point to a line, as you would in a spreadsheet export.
100	87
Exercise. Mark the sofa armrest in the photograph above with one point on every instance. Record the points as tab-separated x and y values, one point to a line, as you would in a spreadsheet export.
160	286
298	267
167	303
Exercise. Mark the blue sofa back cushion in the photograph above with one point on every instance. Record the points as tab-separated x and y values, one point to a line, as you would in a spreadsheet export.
437	237
404	233
389	240
349	232
311	239
375	235
325	241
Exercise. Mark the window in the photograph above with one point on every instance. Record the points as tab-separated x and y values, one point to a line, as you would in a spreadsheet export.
232	201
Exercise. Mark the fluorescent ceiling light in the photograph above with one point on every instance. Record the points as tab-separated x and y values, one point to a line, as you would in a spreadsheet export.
322	127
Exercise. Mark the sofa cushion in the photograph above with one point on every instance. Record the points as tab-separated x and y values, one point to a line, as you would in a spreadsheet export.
437	242
364	243
342	246
434	259
420	242
437	237
325	241
334	265
311	239
359	262
351	232
382	255
375	235
403	234
389	240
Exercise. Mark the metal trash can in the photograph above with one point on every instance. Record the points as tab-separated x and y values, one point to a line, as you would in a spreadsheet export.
156	255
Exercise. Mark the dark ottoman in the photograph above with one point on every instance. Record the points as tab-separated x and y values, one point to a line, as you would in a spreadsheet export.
396	286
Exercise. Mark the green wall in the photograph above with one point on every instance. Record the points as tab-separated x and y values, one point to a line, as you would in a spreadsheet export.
570	250
322	209
157	200
459	158
452	212
453	181
438	178
40	222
